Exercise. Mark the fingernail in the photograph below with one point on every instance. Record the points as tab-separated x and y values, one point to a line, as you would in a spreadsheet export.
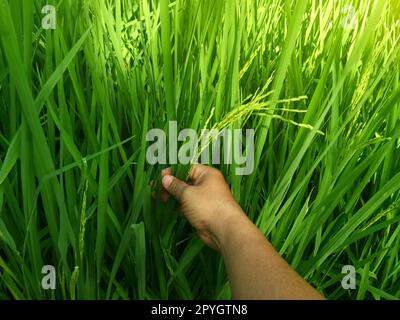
166	181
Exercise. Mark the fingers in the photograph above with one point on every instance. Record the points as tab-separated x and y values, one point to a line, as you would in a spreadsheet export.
152	185
164	192
197	171
166	172
174	186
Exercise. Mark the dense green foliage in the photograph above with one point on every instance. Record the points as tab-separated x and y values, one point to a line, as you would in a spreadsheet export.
77	101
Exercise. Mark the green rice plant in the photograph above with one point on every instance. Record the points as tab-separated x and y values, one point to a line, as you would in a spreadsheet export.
318	84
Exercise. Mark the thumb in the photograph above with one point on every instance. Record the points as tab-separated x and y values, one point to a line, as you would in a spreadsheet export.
174	186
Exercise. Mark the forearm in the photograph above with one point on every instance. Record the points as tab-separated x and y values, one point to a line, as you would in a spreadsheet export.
255	269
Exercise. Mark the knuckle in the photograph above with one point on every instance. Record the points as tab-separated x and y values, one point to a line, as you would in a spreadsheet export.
194	170
216	173
197	170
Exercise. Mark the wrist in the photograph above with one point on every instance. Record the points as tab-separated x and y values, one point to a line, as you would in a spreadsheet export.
234	221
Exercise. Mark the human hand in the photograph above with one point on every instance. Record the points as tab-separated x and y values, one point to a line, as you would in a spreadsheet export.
206	201
255	269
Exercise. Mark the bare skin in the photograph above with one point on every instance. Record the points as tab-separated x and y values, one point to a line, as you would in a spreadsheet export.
255	269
